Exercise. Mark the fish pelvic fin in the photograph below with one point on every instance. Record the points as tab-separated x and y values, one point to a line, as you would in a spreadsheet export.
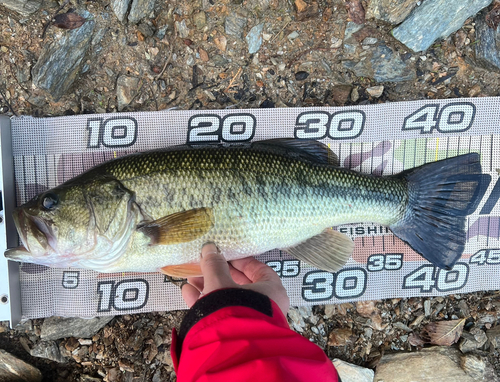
328	251
180	227
182	270
441	195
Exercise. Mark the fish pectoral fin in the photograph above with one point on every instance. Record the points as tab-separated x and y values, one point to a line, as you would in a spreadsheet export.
180	227
182	270
328	251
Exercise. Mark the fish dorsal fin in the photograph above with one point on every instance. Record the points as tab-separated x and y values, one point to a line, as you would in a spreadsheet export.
328	251
182	270
314	151
180	227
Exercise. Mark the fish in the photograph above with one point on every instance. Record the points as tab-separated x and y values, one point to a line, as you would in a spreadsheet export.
153	211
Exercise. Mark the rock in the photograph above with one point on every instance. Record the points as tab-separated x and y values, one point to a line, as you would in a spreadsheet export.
382	64
350	43
400	325
301	76
439	363
298	323
13	369
126	90
146	29
88	378
219	60
200	20
478	368
488	44
55	327
340	95
370	41
254	38
48	350
120	8
340	337
435	19
427	308
352	373
24	7
329	310
140	9
391	11
366	308
59	64
494	336
375	91
473	340
182	29
234	25
355	95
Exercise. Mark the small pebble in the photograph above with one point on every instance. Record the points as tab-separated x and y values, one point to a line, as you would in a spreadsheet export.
375	91
300	76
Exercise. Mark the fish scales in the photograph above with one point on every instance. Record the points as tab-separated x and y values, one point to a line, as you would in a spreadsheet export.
153	211
260	200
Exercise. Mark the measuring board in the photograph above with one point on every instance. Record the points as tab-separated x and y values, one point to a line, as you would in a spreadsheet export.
380	139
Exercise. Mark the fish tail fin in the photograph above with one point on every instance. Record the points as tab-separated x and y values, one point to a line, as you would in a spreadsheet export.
441	195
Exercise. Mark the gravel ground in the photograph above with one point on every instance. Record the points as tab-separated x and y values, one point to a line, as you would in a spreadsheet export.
186	55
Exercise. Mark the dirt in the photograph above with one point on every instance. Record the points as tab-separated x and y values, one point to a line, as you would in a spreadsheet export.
210	69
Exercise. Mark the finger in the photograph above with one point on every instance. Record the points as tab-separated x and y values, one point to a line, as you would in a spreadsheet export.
255	271
215	269
197	282
238	277
190	294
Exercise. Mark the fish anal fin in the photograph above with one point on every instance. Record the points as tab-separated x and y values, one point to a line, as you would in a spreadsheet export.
180	227
328	251
182	270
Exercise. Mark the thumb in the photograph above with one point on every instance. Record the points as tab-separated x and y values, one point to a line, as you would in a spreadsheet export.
215	269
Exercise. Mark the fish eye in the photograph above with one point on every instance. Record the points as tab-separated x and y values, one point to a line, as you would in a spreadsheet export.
50	201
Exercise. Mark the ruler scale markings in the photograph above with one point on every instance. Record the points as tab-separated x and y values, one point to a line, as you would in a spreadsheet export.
491	154
24	177
488	232
35	167
371	165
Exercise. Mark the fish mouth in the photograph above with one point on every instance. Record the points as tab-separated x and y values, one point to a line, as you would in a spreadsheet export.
17	254
37	228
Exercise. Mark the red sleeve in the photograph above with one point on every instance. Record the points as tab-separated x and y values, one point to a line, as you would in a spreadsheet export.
241	335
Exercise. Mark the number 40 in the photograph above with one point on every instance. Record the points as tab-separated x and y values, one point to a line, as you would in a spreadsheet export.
452	118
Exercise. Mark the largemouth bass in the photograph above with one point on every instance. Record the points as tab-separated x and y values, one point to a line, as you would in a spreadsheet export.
153	211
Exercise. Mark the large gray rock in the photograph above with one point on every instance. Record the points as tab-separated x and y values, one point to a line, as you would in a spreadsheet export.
140	9
13	369
120	8
133	10
440	363
55	327
472	340
479	368
60	63
48	350
352	373
24	7
391	11
494	336
436	19
487	44
382	64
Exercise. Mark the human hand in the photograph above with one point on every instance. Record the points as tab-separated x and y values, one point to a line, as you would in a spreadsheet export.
247	273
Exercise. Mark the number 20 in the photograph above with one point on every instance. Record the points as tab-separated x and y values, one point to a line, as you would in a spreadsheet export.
205	128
